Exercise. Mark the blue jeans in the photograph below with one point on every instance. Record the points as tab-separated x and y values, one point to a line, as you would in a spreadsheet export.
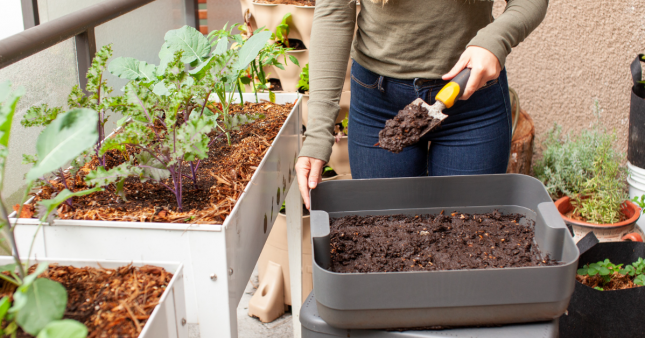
474	139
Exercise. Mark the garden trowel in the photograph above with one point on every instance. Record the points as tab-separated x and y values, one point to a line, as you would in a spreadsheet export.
446	98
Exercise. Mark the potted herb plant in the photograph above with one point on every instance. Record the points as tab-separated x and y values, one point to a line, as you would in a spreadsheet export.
60	300
585	177
196	173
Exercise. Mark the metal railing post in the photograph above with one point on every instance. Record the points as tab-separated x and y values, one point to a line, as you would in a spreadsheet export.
85	50
30	16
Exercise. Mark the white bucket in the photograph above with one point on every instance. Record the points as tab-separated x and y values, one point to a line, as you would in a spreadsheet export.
636	181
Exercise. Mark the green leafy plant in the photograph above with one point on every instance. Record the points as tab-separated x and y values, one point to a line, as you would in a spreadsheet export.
607	270
166	107
303	82
282	30
640	202
587	169
39	303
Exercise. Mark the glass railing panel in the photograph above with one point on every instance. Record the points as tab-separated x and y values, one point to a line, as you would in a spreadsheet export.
47	77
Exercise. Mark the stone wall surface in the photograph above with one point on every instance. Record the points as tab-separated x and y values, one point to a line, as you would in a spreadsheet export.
578	56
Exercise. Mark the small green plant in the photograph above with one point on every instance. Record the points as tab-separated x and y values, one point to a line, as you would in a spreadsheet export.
282	30
38	304
607	270
640	202
303	83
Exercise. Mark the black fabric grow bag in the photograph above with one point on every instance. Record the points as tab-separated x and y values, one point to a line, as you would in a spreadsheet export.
593	313
636	141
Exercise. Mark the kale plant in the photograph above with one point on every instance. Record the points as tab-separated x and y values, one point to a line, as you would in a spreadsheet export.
165	108
38	304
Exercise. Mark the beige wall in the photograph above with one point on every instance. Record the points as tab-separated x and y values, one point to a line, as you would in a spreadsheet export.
579	54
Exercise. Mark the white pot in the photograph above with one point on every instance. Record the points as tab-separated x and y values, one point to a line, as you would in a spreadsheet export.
339	159
168	319
290	76
218	259
636	182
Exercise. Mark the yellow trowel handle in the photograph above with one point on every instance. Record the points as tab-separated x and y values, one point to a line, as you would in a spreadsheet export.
454	89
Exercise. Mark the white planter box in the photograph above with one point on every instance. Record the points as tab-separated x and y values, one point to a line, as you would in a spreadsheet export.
218	259
168	317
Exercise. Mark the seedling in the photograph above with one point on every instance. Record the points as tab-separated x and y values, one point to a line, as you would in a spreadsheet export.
606	270
640	202
303	83
282	30
38	304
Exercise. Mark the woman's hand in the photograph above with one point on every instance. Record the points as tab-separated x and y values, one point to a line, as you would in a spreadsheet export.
309	174
484	67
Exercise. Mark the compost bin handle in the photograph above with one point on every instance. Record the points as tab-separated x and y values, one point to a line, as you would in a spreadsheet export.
587	242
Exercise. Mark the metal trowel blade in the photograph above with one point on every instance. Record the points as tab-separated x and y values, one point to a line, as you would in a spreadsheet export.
434	111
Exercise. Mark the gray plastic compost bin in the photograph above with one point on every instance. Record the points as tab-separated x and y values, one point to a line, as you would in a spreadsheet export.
444	298
314	327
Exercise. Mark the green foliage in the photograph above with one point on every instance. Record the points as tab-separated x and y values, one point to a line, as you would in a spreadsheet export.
176	98
587	169
640	202
303	82
65	328
64	138
38	302
606	270
282	30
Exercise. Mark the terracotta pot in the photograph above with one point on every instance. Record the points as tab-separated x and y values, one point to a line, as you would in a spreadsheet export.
339	159
605	232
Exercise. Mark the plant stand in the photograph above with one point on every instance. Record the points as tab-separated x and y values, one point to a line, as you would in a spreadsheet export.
218	258
314	327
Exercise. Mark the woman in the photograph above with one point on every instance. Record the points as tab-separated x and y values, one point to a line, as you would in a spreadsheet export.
402	50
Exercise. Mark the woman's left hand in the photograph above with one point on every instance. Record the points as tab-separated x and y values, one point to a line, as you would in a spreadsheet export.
484	67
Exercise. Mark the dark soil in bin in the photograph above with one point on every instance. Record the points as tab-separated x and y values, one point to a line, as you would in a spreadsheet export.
405	128
110	302
221	179
433	242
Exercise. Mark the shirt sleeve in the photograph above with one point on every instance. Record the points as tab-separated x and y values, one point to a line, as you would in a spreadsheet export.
331	39
519	19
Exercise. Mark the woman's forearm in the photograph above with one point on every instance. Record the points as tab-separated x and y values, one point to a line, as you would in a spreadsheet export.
331	38
519	19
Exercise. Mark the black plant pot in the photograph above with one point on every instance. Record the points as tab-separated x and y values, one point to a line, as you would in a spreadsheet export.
618	313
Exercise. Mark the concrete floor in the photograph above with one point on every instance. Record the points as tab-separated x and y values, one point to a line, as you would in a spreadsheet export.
250	327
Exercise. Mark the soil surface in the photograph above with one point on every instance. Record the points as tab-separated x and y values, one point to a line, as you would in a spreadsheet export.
221	179
405	128
275	84
618	282
110	302
433	242
288	2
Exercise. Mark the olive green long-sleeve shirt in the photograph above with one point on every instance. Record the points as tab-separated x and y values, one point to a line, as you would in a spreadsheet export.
403	39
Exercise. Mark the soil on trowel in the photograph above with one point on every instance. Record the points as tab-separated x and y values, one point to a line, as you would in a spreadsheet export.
433	242
405	128
110	302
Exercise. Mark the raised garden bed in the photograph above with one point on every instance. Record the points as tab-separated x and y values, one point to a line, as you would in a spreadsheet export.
118	299
219	255
433	242
489	295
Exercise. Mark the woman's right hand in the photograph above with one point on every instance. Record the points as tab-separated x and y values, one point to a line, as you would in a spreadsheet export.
309	174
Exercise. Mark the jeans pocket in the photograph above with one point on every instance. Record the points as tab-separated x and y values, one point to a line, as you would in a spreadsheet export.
363	76
489	84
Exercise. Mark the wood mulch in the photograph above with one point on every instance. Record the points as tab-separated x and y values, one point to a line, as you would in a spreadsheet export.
221	179
110	302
